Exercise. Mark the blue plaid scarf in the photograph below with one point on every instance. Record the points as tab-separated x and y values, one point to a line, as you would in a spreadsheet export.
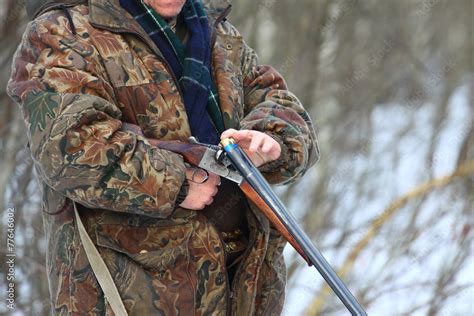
191	63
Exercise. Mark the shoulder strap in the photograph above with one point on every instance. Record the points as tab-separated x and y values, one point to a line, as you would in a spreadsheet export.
100	269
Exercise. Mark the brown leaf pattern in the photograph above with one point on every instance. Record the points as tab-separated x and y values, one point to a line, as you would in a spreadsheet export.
164	259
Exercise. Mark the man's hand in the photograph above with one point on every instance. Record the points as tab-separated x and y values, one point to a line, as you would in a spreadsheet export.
200	194
260	147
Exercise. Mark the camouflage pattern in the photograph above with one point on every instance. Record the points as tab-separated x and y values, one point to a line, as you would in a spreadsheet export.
75	92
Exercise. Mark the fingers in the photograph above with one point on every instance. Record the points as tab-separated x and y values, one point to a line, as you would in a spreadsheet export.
257	141
271	148
237	135
201	194
228	133
213	185
208	201
199	175
254	139
257	145
268	145
206	195
261	142
214	179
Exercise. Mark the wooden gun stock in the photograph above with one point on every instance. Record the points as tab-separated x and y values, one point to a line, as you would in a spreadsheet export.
191	153
253	196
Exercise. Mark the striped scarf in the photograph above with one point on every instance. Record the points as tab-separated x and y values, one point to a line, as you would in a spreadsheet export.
191	63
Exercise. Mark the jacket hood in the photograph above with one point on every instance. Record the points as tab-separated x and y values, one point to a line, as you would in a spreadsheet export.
36	7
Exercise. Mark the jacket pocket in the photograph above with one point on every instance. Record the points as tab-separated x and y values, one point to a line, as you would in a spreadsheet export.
152	267
126	69
232	46
156	249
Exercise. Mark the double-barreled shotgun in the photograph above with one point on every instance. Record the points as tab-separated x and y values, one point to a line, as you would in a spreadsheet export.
230	161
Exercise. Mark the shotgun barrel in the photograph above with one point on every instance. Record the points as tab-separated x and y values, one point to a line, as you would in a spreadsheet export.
252	175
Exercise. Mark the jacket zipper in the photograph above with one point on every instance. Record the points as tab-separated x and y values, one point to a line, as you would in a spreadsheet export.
219	19
228	290
250	245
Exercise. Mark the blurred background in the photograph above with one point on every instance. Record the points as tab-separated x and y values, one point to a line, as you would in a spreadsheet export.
389	85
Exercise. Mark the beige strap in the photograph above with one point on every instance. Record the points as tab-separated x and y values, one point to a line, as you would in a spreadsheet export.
100	269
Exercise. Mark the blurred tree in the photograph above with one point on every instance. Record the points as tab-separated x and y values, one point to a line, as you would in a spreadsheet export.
389	85
18	187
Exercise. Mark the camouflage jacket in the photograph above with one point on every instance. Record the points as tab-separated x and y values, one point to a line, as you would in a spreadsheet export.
76	86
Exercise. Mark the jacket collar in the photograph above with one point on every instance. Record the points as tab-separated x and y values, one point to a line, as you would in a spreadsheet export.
109	14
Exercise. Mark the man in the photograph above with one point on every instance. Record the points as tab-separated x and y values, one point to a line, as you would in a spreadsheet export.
98	82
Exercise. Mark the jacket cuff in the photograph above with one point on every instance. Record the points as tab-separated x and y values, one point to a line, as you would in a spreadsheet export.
274	165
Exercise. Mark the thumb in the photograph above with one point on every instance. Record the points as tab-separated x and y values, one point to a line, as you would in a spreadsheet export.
228	133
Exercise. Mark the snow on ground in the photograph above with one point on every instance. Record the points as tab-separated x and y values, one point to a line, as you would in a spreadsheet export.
434	248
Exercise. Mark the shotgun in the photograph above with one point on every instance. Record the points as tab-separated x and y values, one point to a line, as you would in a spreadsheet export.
230	161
